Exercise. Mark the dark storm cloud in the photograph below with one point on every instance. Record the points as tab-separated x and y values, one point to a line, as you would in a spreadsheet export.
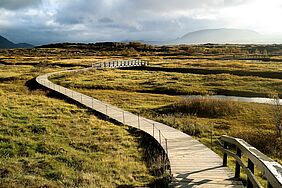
17	4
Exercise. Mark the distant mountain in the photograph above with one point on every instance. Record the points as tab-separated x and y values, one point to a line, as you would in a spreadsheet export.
5	43
220	36
24	45
149	42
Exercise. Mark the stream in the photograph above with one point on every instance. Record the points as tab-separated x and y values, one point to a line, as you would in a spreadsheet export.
239	99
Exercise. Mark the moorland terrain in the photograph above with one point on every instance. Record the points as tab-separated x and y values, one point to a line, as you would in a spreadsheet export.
46	140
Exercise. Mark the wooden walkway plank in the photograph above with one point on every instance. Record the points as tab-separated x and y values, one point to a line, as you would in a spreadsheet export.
192	164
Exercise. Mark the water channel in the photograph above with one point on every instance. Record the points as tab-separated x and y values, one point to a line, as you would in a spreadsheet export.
239	99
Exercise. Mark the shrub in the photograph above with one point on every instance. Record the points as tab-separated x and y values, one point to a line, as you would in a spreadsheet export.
264	141
203	107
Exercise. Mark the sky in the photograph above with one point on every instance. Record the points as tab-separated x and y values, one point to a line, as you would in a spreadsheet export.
50	21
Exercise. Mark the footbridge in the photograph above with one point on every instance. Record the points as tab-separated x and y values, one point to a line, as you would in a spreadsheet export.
192	164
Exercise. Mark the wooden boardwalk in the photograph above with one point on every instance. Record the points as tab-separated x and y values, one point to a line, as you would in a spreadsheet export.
192	164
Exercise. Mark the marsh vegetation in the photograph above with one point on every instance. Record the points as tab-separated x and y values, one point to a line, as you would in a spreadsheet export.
45	140
48	141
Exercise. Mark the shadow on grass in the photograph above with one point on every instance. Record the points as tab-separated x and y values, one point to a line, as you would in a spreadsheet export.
33	85
43	64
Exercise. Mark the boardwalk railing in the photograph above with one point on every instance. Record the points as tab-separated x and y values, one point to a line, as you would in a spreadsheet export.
121	63
191	163
118	114
270	169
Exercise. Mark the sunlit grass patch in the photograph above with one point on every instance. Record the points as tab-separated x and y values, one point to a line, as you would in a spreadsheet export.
47	142
140	91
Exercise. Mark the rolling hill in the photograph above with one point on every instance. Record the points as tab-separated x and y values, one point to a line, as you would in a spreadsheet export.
5	43
220	36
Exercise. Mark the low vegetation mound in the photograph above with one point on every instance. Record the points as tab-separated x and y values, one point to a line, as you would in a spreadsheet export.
265	141
202	107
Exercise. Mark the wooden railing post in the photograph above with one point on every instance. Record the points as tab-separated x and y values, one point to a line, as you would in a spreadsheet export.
238	169
121	63
251	167
225	154
153	130
138	121
166	146
272	171
269	185
211	135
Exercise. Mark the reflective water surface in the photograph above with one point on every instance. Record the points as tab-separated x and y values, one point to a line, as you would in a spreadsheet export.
240	99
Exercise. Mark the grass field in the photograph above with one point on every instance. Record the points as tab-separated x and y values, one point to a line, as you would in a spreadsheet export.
45	141
48	141
158	95
171	83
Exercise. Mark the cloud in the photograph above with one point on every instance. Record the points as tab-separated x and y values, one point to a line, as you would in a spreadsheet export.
99	20
133	16
124	10
18	4
135	13
105	20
